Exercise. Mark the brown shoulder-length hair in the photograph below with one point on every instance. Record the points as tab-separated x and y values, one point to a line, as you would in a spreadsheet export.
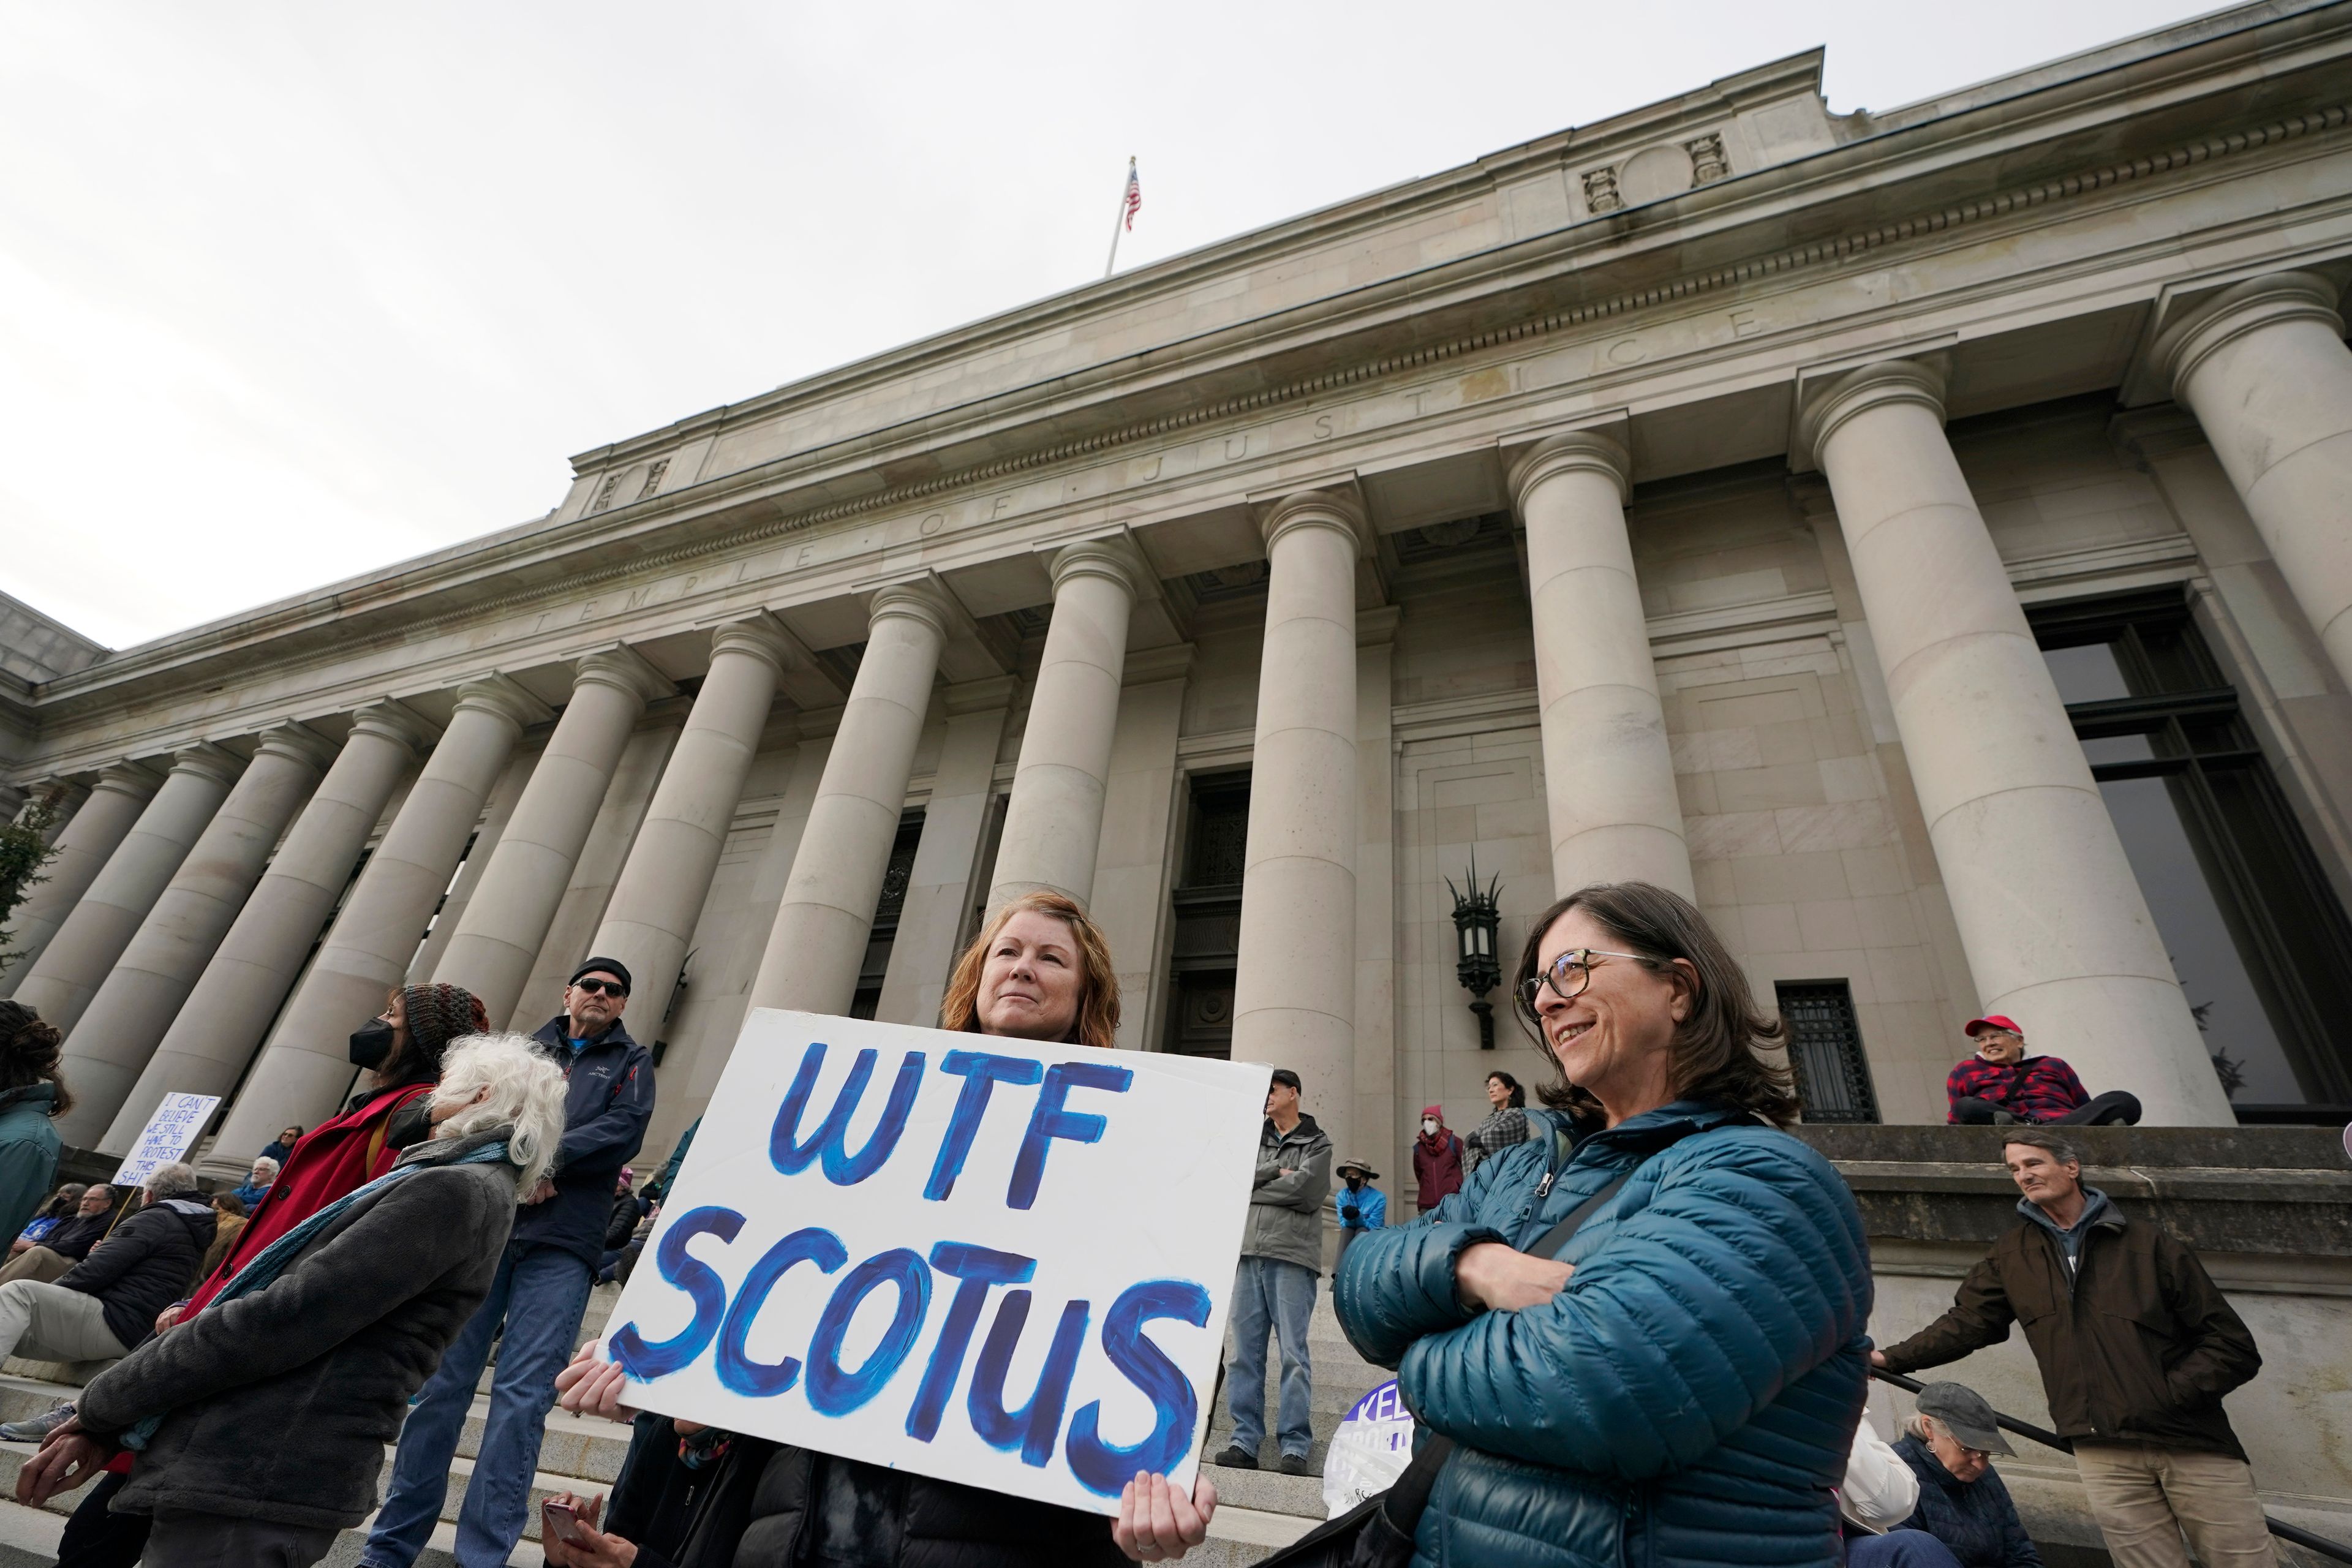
1719	1050
29	1053
1098	1020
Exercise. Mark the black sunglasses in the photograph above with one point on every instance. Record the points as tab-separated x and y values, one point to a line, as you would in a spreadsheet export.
602	987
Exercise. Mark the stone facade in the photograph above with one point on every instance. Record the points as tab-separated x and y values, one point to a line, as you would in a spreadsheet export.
1686	497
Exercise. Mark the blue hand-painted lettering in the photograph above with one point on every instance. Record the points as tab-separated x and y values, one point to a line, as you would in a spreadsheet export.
842	1168
980	1072
975	1268
647	1362
1050	1121
834	1390
1033	1427
735	1369
1103	1468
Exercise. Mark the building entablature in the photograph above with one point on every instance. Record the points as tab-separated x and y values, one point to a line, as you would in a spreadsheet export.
1413	384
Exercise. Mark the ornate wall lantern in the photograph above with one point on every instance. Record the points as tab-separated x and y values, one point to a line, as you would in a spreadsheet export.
1477	964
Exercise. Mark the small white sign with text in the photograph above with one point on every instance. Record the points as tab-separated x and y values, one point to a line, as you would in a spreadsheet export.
169	1134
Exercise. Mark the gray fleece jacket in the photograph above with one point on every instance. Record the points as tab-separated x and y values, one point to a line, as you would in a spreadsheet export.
1285	1216
276	1405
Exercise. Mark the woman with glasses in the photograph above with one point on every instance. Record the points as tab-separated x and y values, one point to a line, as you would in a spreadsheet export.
1642	1331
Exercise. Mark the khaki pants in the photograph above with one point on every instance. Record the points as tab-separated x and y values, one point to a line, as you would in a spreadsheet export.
37	1263
2146	1498
49	1322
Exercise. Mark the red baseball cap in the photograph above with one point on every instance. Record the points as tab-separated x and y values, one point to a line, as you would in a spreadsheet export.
1992	1021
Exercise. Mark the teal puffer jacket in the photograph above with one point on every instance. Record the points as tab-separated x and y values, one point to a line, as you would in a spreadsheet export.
1690	1396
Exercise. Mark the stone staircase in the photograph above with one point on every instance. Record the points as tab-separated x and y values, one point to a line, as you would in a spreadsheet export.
1260	1510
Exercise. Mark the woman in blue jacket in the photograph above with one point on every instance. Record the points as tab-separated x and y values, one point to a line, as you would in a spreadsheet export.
1680	1385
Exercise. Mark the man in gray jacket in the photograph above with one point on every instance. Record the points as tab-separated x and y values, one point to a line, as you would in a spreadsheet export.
1282	1258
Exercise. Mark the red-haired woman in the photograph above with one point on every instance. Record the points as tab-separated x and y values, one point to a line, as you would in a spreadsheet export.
1039	970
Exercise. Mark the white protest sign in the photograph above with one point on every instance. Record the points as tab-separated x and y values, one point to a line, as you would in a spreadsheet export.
984	1260
169	1134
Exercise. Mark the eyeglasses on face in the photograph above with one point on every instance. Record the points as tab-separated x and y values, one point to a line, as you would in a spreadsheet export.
1569	973
599	987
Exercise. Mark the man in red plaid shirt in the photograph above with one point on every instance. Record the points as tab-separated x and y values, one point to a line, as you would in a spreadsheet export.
2001	1084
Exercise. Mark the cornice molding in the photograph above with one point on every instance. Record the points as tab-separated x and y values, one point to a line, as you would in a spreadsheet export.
1831	251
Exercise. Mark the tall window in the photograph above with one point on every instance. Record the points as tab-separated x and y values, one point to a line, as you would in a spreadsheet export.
2255	934
884	934
1208	909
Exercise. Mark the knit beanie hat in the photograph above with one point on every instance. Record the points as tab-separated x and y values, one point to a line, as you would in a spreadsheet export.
438	1014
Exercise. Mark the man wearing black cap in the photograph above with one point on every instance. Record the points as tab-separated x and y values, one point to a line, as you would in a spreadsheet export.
537	1300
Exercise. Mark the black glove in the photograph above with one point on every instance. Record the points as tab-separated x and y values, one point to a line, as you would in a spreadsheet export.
1349	1214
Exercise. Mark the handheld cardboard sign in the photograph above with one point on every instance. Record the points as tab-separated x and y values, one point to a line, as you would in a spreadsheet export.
984	1260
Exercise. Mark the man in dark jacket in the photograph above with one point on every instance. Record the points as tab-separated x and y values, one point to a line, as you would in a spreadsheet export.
2136	1347
1282	1258
535	1302
109	1302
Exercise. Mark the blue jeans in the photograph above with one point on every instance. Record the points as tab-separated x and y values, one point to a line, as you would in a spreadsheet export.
1270	1294
1899	1549
540	1295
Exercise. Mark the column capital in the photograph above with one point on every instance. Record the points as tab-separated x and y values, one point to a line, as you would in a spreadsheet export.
1574	451
625	670
763	636
499	696
137	780
1113	557
1315	509
67	793
387	720
1872	387
2235	311
297	743
919	600
207	761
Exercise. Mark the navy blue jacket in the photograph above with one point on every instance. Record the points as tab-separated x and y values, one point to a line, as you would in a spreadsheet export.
1975	1519
605	1109
1688	1398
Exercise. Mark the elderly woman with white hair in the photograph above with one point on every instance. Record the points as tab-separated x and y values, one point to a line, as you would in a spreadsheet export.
260	1422
256	1183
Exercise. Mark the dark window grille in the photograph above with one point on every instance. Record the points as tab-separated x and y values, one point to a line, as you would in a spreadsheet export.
1825	1050
1208	909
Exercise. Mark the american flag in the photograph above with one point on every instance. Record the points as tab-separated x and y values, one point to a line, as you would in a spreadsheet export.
1134	195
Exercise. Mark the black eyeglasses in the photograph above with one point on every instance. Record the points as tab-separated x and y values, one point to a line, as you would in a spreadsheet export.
602	987
1569	973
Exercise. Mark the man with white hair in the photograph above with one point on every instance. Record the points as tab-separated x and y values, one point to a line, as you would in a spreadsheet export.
276	1401
256	1186
109	1302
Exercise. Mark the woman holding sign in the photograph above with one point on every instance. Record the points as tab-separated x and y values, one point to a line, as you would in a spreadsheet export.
1040	971
1641	1332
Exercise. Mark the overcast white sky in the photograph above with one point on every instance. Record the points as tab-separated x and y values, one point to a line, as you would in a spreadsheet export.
291	291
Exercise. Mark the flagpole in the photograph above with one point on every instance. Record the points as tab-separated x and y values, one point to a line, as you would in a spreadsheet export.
1119	223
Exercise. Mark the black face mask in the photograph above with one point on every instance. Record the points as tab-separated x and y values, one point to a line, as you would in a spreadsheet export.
372	1044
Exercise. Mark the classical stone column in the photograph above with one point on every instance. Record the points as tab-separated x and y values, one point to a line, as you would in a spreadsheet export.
1053	824
1609	778
255	965
662	887
88	840
1295	987
2264	368
303	1070
78	959
135	1006
818	942
506	921
2056	930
